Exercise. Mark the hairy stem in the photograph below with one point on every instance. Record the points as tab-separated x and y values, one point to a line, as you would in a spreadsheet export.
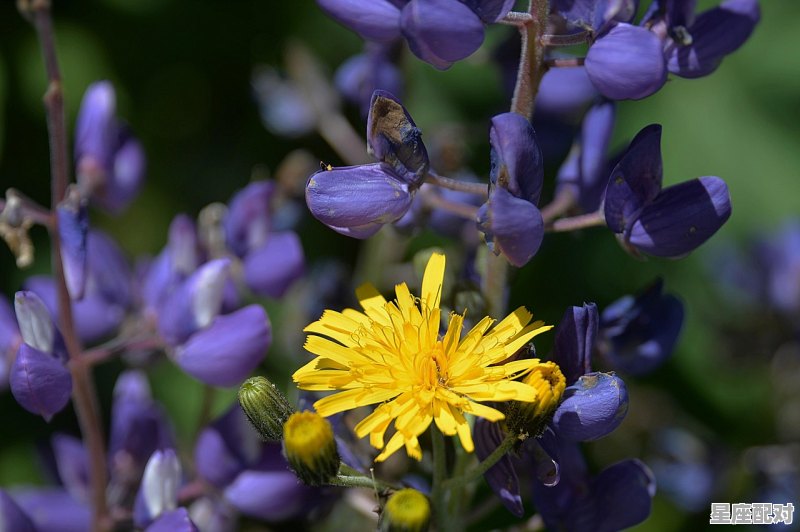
531	58
83	392
571	39
479	189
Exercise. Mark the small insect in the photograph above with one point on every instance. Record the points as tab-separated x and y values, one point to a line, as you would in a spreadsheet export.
323	166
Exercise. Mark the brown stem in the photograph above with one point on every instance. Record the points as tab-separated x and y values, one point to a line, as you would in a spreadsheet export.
562	202
592	219
565	62
83	393
434	201
103	352
531	58
572	39
479	189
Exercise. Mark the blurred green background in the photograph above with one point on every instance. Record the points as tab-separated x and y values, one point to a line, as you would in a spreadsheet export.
182	70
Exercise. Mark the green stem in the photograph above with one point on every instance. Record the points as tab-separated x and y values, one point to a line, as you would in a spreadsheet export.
484	466
353	478
439	474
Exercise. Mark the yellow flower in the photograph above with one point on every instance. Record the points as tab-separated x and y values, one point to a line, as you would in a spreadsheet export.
392	353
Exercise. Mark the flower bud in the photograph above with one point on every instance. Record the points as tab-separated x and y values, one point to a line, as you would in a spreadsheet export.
310	448
160	482
40	382
593	406
393	137
73	227
407	510
265	406
529	418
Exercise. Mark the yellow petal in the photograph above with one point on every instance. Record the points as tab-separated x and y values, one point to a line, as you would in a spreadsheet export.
432	281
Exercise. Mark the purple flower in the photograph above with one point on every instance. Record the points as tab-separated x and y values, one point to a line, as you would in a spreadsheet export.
595	14
665	223
10	339
627	63
159	490
641	332
510	219
283	108
54	509
393	137
226	351
374	20
110	161
565	92
73	226
358	200
173	521
361	75
12	517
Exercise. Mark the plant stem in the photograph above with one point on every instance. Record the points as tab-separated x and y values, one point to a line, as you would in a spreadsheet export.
484	466
439	474
479	189
434	201
531	58
571	39
592	219
353	478
562	202
83	393
564	62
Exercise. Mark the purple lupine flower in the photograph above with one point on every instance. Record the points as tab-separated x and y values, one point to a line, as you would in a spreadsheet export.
72	463
618	497
683	468
510	219
565	92
39	380
584	172
110	161
595	14
253	475
640	333
627	63
177	520
393	137
272	260
698	48
374	20
12	517
361	75
226	351
73	227
159	490
10	340
666	223
54	509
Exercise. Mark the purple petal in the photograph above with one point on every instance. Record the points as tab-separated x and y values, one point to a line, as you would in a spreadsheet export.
357	199
490	11
574	342
73	225
565	91
595	14
635	181
96	125
627	63
160	482
174	521
516	157
361	75
110	273
596	131
12	518
682	217
621	497
247	224
34	319
196	302
72	461
393	138
54	510
441	32
512	226
271	269
715	34
374	20
214	460
501	477
183	245
39	382
227	351
591	407
127	175
284	110
270	495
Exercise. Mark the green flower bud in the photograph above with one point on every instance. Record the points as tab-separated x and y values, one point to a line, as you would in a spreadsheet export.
407	510
310	448
265	407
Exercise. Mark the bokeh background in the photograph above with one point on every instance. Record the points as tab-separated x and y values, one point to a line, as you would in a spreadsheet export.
182	70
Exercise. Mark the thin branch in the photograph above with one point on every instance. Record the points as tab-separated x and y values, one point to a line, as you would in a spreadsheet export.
531	58
564	62
434	201
562	202
563	225
571	39
479	189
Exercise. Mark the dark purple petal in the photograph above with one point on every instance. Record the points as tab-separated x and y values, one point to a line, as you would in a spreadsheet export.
39	382
361	75
227	351
96	126
682	217
109	271
591	407
394	138
674	13
183	245
196	302
574	341
73	225
642	333
554	502
490	11
715	34
595	14
271	269
54	510
627	63
635	181
158	281
543	458
501	477
270	495
357	199
374	20
127	174
215	462
512	226
72	461
565	91
621	497
248	224
174	521
12	517
516	157
596	131
441	32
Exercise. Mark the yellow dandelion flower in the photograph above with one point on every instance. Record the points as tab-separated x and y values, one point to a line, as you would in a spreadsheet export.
392	353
